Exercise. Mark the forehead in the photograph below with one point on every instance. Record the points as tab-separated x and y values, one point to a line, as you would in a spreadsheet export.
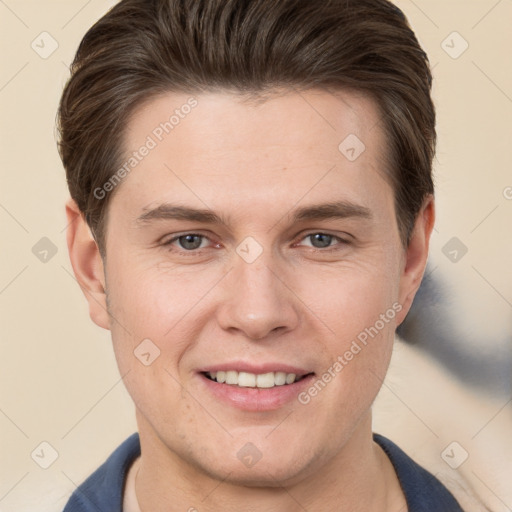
220	148
279	116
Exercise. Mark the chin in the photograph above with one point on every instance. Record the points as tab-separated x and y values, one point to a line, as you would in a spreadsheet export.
268	475
250	468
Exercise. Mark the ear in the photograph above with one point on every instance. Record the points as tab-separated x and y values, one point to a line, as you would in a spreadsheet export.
87	264
416	256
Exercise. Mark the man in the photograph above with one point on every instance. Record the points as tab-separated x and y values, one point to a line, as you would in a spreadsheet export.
251	209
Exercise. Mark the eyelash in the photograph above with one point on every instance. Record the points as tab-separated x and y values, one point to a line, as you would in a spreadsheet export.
169	243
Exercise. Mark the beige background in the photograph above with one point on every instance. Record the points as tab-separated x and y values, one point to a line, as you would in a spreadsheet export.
59	380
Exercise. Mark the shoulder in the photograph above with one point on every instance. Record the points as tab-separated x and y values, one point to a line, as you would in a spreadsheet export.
105	486
423	491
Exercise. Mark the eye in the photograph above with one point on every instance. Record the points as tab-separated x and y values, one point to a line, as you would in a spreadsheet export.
187	242
323	240
193	242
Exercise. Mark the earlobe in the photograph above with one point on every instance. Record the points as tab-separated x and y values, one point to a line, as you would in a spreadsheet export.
416	256
87	264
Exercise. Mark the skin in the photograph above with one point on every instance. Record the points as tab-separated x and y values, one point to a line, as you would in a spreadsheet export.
254	164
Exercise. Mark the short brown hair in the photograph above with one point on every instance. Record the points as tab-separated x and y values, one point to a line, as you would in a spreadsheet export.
143	48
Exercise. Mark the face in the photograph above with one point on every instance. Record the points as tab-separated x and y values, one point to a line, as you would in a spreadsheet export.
255	278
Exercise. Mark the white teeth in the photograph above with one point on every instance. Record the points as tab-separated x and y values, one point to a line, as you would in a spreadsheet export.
251	380
265	380
231	377
246	380
290	377
280	378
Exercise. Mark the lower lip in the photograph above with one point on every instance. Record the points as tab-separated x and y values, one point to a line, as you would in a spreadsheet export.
256	399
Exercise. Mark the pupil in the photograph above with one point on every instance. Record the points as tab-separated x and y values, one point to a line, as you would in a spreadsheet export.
322	239
190	241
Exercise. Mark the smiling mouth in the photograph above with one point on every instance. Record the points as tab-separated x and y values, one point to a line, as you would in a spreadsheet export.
252	380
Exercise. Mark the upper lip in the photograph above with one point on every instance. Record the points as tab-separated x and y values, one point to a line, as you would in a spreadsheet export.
241	366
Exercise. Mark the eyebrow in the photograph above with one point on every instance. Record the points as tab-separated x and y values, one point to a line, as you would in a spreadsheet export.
332	210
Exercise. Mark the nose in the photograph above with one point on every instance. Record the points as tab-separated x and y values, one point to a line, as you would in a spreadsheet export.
256	301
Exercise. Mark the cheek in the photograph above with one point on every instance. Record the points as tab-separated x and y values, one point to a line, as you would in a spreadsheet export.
160	315
350	300
153	302
358	312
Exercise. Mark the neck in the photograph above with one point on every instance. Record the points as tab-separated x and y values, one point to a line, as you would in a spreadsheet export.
358	477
